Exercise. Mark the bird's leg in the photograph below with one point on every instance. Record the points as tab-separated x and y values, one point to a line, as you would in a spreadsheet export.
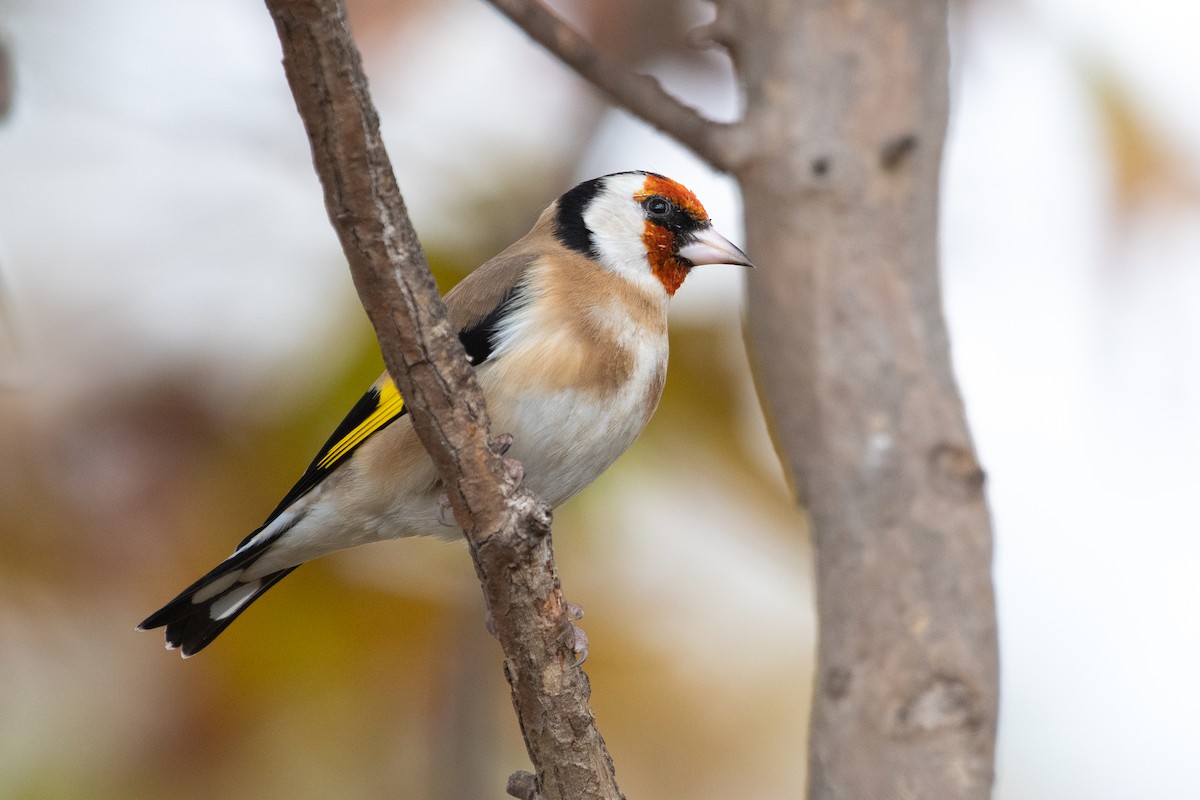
501	444
445	514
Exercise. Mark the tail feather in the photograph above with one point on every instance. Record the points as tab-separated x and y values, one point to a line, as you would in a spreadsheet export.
200	612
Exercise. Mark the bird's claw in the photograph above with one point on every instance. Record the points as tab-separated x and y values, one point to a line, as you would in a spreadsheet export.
445	513
579	639
501	442
515	470
579	646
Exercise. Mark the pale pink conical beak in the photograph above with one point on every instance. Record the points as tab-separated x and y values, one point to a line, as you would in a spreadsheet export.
709	247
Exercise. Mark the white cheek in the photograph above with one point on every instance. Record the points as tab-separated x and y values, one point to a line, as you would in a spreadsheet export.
617	229
617	224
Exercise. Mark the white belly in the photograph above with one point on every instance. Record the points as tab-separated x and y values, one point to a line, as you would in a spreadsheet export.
567	439
566	436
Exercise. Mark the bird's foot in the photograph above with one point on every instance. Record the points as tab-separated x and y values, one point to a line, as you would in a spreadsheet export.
579	639
445	514
501	442
579	642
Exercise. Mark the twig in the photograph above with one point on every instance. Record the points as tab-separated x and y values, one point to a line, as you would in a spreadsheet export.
507	528
718	143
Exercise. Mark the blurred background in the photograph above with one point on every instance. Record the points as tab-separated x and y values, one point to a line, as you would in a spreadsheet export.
178	334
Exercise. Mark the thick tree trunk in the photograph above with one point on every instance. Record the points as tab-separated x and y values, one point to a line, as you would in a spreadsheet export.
848	101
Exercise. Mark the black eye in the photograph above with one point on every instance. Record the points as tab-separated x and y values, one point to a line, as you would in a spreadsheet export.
658	206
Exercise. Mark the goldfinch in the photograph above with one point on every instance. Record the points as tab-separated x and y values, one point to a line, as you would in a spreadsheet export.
567	332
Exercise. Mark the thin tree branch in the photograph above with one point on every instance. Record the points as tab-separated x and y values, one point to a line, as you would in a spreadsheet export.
507	528
718	143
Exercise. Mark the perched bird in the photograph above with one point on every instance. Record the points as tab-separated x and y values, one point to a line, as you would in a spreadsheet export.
567	332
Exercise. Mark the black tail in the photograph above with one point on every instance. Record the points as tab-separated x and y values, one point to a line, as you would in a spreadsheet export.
206	608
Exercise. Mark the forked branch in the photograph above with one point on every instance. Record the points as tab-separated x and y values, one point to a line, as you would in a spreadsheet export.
641	95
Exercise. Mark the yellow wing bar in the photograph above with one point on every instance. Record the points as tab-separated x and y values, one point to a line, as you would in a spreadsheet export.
388	408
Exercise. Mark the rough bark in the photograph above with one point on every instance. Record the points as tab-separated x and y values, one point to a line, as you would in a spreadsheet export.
838	156
850	102
507	528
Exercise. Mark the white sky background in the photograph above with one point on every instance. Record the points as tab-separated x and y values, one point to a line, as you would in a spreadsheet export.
1077	341
1078	345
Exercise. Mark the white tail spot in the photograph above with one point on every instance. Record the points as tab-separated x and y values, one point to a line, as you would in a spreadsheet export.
216	587
235	600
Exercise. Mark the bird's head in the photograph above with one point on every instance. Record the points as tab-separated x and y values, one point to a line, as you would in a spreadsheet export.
644	226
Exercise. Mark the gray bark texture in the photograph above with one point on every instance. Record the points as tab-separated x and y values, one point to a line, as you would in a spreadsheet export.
849	104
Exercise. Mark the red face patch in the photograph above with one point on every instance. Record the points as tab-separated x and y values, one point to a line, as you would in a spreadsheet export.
660	240
677	193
